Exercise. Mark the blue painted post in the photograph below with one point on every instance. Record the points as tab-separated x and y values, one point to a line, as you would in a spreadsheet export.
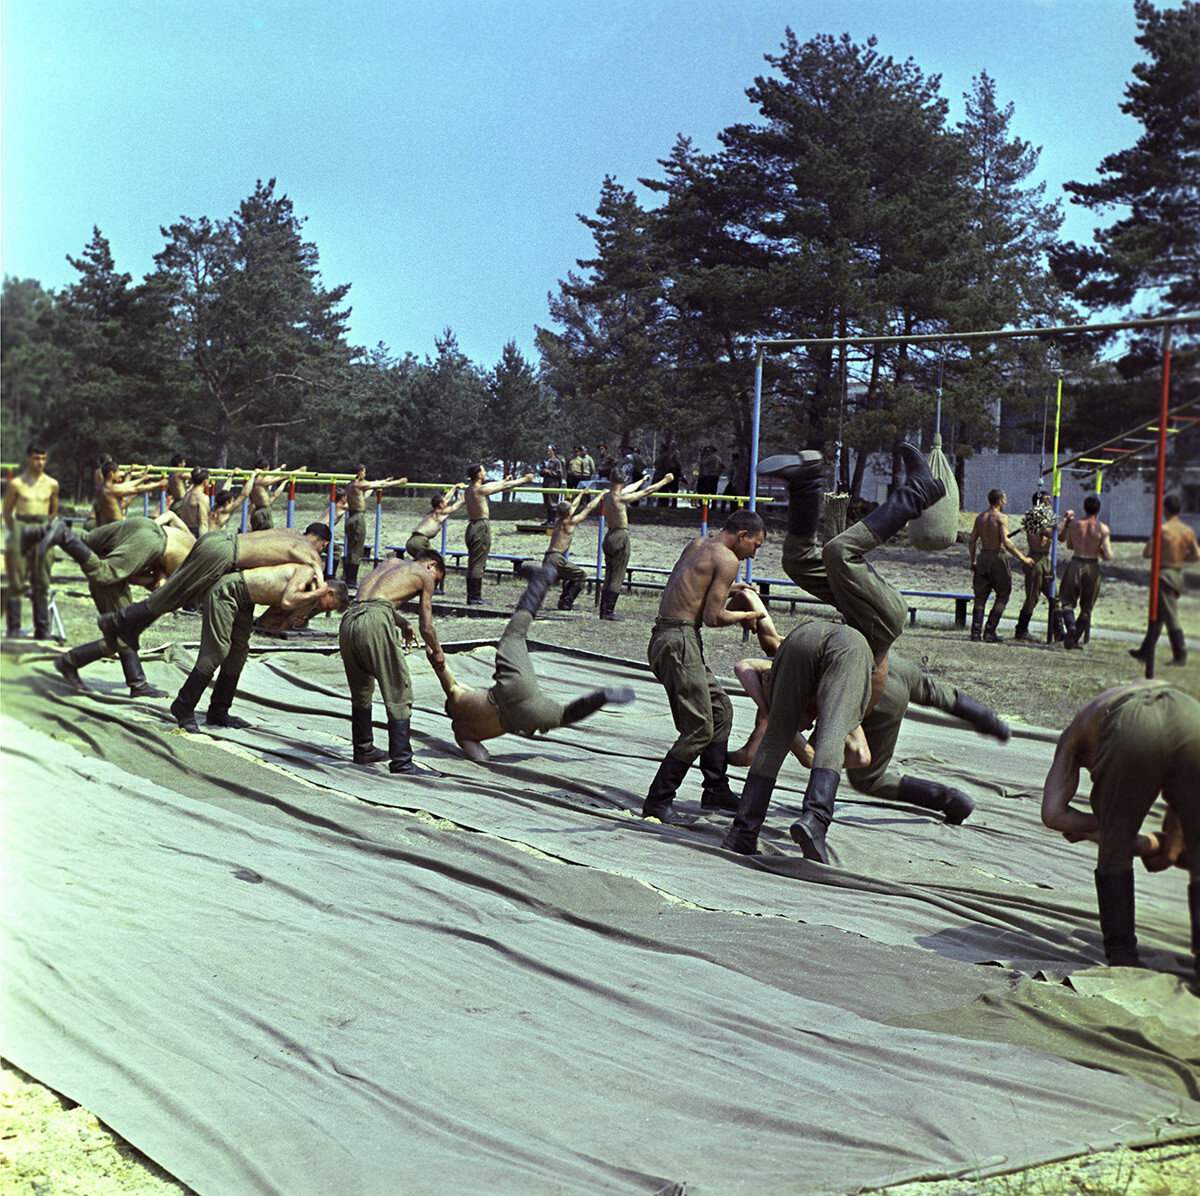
291	515
599	558
332	525
378	520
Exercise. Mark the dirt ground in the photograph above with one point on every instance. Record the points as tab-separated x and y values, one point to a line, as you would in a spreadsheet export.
52	1147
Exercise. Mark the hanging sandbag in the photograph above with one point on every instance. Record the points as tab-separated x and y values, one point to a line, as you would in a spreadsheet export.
937	526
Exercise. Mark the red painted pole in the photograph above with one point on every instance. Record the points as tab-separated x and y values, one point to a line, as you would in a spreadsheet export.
1159	486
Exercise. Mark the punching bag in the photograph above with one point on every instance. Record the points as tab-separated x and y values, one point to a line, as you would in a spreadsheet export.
937	526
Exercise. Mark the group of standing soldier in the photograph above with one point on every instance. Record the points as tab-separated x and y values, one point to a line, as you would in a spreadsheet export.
1089	542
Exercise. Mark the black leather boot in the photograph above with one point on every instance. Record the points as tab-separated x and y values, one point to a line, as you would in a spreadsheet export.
980	717
659	801
223	693
714	764
1114	895
804	475
977	622
1072	632
919	490
1178	646
1144	653
41	616
1084	627
1058	629
580	708
69	663
808	831
608	606
125	625
350	572
538	579
570	591
400	753
989	631
59	535
742	836
12	612
1022	629
930	795
183	709
474	591
362	737
135	678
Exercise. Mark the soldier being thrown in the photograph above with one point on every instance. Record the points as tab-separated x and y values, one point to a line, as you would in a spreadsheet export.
370	643
821	669
515	703
215	555
135	551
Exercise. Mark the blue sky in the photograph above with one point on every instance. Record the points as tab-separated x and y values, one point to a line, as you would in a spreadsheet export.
440	149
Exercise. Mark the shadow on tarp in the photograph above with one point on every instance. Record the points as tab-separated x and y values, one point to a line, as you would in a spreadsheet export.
272	970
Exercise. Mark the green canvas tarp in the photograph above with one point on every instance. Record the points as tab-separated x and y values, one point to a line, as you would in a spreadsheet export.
274	971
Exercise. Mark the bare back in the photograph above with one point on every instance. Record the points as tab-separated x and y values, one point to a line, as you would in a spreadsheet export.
1088	537
276	546
396	581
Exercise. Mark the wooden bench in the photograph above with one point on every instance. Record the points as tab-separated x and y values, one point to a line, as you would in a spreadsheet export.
960	600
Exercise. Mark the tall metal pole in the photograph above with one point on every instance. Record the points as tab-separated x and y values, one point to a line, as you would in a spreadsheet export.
754	427
1055	491
1159	487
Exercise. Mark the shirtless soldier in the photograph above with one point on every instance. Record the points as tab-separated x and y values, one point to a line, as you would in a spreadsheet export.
441	507
356	519
1088	540
216	554
616	533
372	651
299	590
196	511
567	518
1178	549
30	501
177	481
1038	525
696	595
262	496
515	704
479	529
991	569
1137	741
134	551
115	494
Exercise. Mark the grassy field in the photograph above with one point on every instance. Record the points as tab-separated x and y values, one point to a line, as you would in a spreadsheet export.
1030	681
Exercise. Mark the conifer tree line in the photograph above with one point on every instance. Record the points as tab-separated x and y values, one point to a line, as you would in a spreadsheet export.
848	203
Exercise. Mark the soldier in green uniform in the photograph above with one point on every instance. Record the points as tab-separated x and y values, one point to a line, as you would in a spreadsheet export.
1138	742
369	640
